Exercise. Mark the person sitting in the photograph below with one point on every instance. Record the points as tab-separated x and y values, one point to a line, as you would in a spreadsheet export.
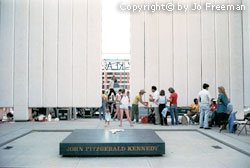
195	106
212	112
229	107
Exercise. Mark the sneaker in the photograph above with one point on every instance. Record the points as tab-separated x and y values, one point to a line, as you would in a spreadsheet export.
201	127
207	128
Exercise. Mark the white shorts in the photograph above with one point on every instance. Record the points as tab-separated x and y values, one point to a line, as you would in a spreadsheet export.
124	107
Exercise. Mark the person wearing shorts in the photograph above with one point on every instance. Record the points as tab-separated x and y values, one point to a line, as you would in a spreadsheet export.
124	107
117	103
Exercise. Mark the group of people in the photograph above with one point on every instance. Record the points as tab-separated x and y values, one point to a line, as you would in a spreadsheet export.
205	110
218	111
122	104
209	111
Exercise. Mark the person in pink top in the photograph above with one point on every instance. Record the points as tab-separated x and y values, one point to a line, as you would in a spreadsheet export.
173	106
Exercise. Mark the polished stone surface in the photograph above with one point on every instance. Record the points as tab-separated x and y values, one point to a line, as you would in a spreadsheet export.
116	142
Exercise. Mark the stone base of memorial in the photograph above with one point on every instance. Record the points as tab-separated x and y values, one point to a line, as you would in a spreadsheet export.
130	142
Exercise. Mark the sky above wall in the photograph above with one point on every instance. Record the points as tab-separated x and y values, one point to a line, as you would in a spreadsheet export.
115	31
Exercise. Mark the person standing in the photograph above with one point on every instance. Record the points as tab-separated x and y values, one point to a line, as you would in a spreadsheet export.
152	98
107	116
111	86
204	99
173	105
129	107
102	109
124	107
117	103
222	102
135	108
162	100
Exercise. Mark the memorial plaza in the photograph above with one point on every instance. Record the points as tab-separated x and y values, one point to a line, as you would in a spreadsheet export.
175	71
36	144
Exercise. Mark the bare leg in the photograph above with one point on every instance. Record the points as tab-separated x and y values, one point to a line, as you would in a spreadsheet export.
121	117
112	108
117	112
128	117
130	114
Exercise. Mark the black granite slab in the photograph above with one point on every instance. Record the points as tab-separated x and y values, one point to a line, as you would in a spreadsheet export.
130	142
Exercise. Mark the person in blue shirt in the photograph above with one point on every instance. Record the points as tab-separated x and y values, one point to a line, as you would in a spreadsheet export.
229	107
222	102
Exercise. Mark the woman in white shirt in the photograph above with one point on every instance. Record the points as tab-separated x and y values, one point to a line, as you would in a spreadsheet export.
124	107
162	101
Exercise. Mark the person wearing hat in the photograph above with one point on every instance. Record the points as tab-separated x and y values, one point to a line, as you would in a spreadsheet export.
135	108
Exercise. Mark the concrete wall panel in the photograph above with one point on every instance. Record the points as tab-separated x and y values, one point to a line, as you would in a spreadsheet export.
222	48
21	59
79	52
208	50
7	14
36	53
180	55
50	53
165	47
64	86
137	52
94	83
194	52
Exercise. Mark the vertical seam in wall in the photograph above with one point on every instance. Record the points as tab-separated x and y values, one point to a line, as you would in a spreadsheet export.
187	29
58	12
72	52
42	98
215	49
87	44
100	47
158	49
144	40
230	55
14	53
173	53
28	52
243	55
201	44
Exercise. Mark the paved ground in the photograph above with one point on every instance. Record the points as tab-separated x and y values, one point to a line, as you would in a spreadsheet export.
186	146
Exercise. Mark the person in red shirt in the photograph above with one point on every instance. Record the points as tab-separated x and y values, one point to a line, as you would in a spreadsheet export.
173	106
212	112
213	105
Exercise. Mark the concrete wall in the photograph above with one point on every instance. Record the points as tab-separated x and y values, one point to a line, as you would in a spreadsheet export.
50	51
246	46
185	50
